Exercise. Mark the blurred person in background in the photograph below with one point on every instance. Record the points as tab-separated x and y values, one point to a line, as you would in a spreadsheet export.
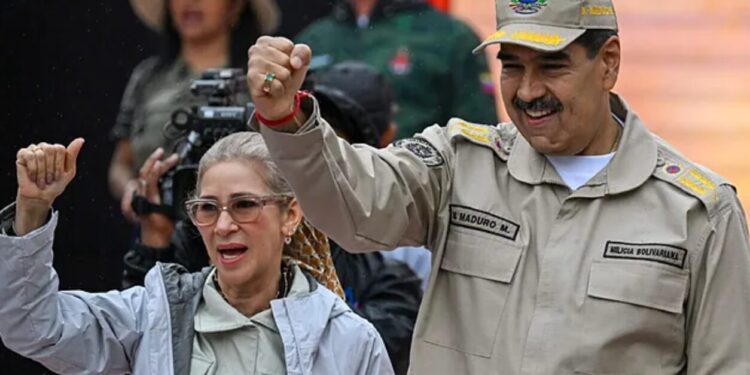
570	241
254	311
400	38
196	35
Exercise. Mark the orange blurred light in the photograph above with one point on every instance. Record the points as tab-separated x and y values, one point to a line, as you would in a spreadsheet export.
443	5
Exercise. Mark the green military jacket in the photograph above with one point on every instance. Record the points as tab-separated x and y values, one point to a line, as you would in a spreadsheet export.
425	54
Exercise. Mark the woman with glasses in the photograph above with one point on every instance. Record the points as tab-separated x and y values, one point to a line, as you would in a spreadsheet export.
254	311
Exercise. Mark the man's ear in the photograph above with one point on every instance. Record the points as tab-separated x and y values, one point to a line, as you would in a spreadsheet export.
610	58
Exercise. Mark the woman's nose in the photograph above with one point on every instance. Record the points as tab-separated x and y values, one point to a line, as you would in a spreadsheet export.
224	223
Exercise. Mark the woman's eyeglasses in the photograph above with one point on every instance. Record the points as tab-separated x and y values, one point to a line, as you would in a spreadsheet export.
243	209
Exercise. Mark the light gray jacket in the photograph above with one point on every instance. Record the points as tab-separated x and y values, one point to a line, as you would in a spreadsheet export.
149	330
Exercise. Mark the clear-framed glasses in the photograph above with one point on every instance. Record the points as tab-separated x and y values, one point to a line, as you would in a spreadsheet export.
242	208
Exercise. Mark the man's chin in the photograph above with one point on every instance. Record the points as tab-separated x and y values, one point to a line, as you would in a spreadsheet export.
544	146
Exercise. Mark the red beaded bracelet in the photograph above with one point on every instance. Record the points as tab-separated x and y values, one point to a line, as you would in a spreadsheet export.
297	104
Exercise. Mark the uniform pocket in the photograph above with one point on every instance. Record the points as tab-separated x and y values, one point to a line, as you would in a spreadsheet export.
633	318
470	291
643	285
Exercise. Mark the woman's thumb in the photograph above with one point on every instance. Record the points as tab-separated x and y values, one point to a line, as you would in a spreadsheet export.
74	148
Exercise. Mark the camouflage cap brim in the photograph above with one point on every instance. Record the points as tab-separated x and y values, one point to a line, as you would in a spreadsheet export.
539	37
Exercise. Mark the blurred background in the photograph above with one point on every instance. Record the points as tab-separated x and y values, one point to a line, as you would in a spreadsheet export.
64	66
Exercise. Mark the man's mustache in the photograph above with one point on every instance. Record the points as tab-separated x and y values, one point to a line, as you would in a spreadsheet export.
538	104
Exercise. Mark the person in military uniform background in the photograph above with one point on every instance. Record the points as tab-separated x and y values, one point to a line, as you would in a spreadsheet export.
423	52
570	241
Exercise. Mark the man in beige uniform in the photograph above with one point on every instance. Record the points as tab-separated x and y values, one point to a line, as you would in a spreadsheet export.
642	268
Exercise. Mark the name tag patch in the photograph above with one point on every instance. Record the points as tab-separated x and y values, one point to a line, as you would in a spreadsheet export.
471	218
664	254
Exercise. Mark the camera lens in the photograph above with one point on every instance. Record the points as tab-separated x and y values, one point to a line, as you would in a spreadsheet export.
180	119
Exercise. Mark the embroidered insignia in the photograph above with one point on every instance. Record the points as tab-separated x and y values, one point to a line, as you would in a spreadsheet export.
673	169
527	6
401	63
496	35
659	253
696	182
486	222
597	10
548	39
422	149
481	134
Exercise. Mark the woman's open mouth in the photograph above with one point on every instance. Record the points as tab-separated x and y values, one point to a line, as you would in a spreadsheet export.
231	253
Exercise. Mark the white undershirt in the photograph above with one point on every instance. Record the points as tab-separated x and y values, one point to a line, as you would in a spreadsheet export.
575	171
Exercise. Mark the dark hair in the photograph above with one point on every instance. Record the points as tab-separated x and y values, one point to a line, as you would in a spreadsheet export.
594	39
241	36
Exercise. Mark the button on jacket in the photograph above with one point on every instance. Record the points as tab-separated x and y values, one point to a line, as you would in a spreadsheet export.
643	270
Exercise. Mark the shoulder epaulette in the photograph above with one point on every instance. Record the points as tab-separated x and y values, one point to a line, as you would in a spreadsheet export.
689	177
499	138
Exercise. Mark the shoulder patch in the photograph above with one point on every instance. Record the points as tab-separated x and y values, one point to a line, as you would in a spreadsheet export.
688	177
424	150
492	137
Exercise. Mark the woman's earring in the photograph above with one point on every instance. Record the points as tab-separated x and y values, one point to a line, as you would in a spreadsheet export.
287	240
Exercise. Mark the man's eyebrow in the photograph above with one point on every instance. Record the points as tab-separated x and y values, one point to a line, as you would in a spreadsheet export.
554	56
505	56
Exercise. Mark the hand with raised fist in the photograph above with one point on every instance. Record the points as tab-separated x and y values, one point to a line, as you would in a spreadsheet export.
275	70
43	171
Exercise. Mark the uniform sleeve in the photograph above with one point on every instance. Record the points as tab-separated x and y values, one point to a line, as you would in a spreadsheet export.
124	122
68	332
365	199
719	314
472	86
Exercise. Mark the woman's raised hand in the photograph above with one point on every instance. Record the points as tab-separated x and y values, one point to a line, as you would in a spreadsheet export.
43	171
276	68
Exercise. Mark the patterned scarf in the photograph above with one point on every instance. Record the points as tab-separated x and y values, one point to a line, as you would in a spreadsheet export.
310	250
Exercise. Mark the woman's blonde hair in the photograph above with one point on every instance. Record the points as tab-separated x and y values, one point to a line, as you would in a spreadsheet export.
249	147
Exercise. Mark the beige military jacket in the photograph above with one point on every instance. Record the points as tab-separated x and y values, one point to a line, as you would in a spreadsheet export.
643	270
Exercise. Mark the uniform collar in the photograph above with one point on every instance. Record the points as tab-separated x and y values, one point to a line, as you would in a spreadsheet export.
631	166
343	11
217	315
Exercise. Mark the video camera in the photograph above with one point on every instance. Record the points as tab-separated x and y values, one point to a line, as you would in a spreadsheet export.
227	111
